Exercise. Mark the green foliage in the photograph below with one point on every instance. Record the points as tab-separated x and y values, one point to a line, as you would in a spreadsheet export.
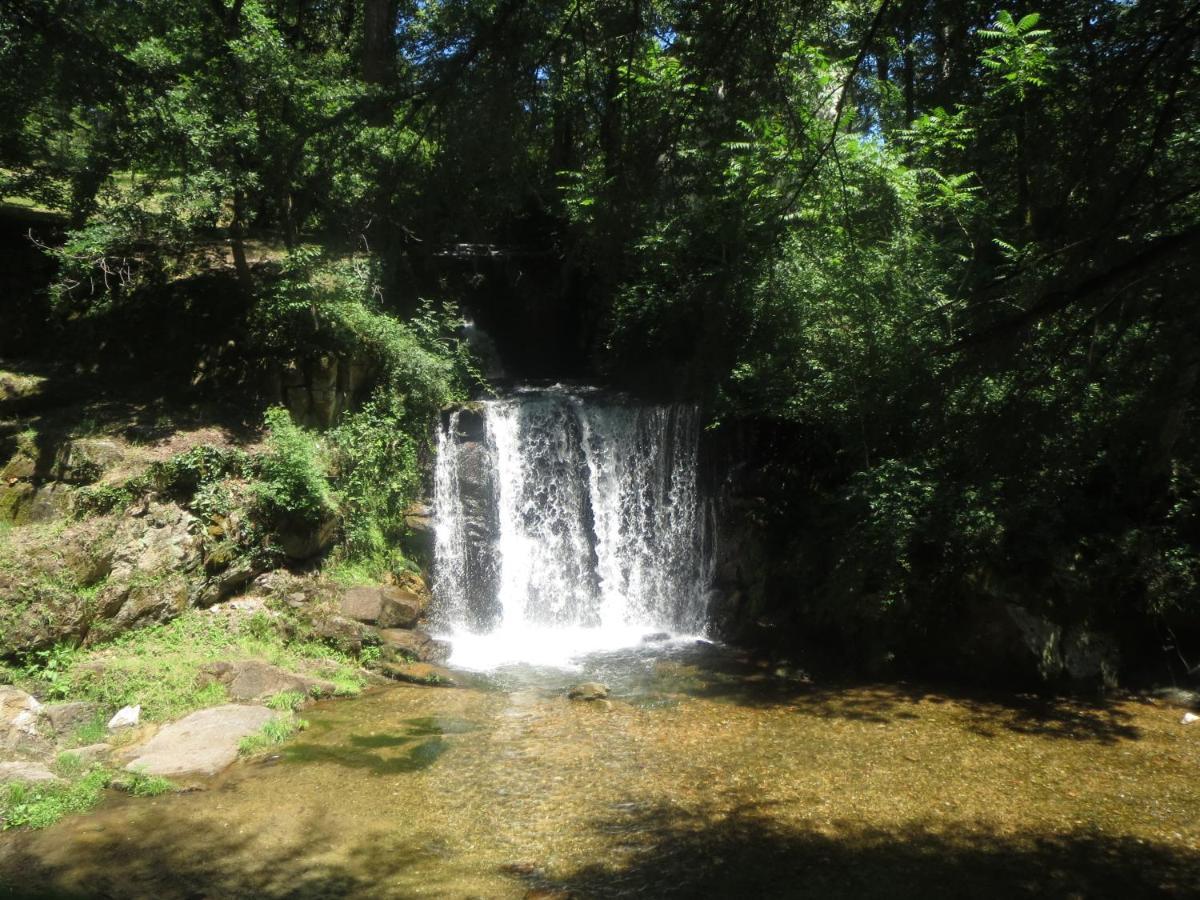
275	732
290	485
158	667
142	785
41	805
286	701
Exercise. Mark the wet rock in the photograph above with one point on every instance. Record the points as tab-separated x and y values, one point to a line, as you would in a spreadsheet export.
421	533
64	718
254	679
20	714
202	743
33	773
126	717
588	690
656	638
419	673
386	607
415	644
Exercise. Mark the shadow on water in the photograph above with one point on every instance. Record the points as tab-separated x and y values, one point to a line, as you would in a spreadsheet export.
182	859
743	853
651	677
419	740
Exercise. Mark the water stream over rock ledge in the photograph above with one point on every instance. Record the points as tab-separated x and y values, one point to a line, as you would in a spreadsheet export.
568	521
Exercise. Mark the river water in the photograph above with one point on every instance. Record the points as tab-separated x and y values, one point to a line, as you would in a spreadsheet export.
707	775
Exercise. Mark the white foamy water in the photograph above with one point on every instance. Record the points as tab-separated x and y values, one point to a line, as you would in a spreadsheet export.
567	524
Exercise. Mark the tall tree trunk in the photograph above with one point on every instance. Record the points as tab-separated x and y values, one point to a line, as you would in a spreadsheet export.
379	40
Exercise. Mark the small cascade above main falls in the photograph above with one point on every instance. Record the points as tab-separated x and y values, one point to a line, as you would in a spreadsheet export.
567	521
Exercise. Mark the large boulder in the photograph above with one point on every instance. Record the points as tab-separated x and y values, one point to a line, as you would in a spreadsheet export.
64	719
201	744
149	581
1090	657
414	644
255	679
84	460
28	772
20	717
385	607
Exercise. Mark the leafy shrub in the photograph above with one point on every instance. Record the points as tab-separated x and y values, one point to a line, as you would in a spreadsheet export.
291	487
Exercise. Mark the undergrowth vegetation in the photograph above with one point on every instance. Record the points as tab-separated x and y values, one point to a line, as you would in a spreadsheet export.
157	667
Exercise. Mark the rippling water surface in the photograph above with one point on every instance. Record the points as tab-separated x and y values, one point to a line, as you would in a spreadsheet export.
706	775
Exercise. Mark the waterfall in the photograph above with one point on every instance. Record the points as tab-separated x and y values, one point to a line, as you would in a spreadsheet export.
566	521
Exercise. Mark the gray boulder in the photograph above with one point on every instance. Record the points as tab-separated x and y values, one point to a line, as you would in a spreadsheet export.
385	607
20	716
201	744
33	773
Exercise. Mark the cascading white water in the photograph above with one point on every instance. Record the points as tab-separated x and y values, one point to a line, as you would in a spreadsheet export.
566	522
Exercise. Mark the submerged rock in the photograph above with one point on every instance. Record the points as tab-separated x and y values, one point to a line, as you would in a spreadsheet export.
588	690
203	743
419	673
255	679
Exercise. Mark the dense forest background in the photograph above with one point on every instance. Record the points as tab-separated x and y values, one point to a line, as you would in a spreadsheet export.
931	268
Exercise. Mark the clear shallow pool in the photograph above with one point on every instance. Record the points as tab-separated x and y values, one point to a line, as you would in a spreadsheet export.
706	776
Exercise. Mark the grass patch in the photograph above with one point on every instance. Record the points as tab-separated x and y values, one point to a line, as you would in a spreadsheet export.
274	732
41	805
93	732
142	785
157	667
286	701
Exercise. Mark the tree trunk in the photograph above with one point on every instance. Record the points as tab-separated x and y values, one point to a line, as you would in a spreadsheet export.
379	40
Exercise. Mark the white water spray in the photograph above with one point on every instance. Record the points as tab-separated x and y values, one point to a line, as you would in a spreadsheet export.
566	524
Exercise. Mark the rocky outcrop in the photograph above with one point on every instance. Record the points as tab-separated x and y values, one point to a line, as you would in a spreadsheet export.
20	715
384	607
318	390
1005	643
201	744
414	644
149	581
255	679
